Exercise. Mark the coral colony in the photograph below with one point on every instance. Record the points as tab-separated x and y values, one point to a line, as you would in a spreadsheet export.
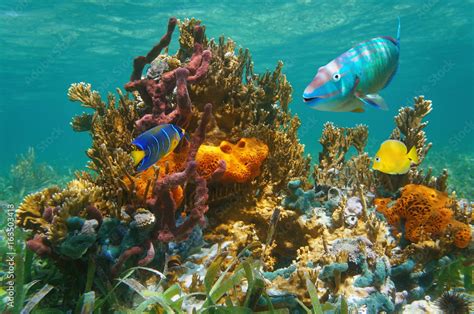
238	190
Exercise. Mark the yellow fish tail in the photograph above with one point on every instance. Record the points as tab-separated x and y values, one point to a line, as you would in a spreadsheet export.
137	156
412	155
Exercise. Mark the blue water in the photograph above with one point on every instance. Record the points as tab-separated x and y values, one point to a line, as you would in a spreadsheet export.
47	45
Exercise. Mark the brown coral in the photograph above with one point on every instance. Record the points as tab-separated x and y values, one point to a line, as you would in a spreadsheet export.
333	168
425	213
46	212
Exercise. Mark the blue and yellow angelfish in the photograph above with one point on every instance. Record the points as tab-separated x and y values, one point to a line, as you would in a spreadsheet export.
354	79
155	144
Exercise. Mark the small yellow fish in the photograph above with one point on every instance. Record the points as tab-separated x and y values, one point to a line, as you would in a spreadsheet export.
392	158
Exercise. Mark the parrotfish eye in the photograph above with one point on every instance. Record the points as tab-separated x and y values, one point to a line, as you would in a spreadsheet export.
377	159
336	77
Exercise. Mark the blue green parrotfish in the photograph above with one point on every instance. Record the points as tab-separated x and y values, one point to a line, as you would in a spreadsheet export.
155	144
354	79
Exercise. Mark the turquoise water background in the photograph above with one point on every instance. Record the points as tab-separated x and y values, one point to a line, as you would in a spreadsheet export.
47	45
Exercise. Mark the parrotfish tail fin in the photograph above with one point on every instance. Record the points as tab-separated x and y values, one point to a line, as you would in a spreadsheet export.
398	33
137	156
374	100
413	156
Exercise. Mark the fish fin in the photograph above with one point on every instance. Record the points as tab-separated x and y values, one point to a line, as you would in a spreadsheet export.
412	155
397	43
398	33
187	136
374	100
391	77
356	83
137	156
358	110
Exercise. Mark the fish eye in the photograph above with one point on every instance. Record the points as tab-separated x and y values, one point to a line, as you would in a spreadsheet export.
336	77
377	159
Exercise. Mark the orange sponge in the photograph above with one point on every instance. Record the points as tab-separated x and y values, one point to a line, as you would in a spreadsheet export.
243	159
426	213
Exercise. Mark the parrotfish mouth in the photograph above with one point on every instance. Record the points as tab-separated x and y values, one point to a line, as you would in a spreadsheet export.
311	99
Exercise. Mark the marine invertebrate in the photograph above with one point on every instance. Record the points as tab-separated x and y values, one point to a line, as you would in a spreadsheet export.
425	214
410	125
299	199
333	169
332	273
243	160
352	210
47	211
250	105
162	204
377	302
154	92
410	130
242	163
452	302
112	131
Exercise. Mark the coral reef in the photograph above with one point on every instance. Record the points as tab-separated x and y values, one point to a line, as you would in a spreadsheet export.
333	169
422	213
230	217
299	199
112	130
155	91
409	130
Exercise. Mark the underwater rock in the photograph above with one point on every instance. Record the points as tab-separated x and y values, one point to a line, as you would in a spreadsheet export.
157	68
421	307
425	214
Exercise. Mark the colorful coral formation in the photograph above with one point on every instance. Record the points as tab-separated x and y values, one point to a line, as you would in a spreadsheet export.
422	213
243	160
231	195
410	130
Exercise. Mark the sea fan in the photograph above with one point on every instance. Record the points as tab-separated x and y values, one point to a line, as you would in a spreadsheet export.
452	302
